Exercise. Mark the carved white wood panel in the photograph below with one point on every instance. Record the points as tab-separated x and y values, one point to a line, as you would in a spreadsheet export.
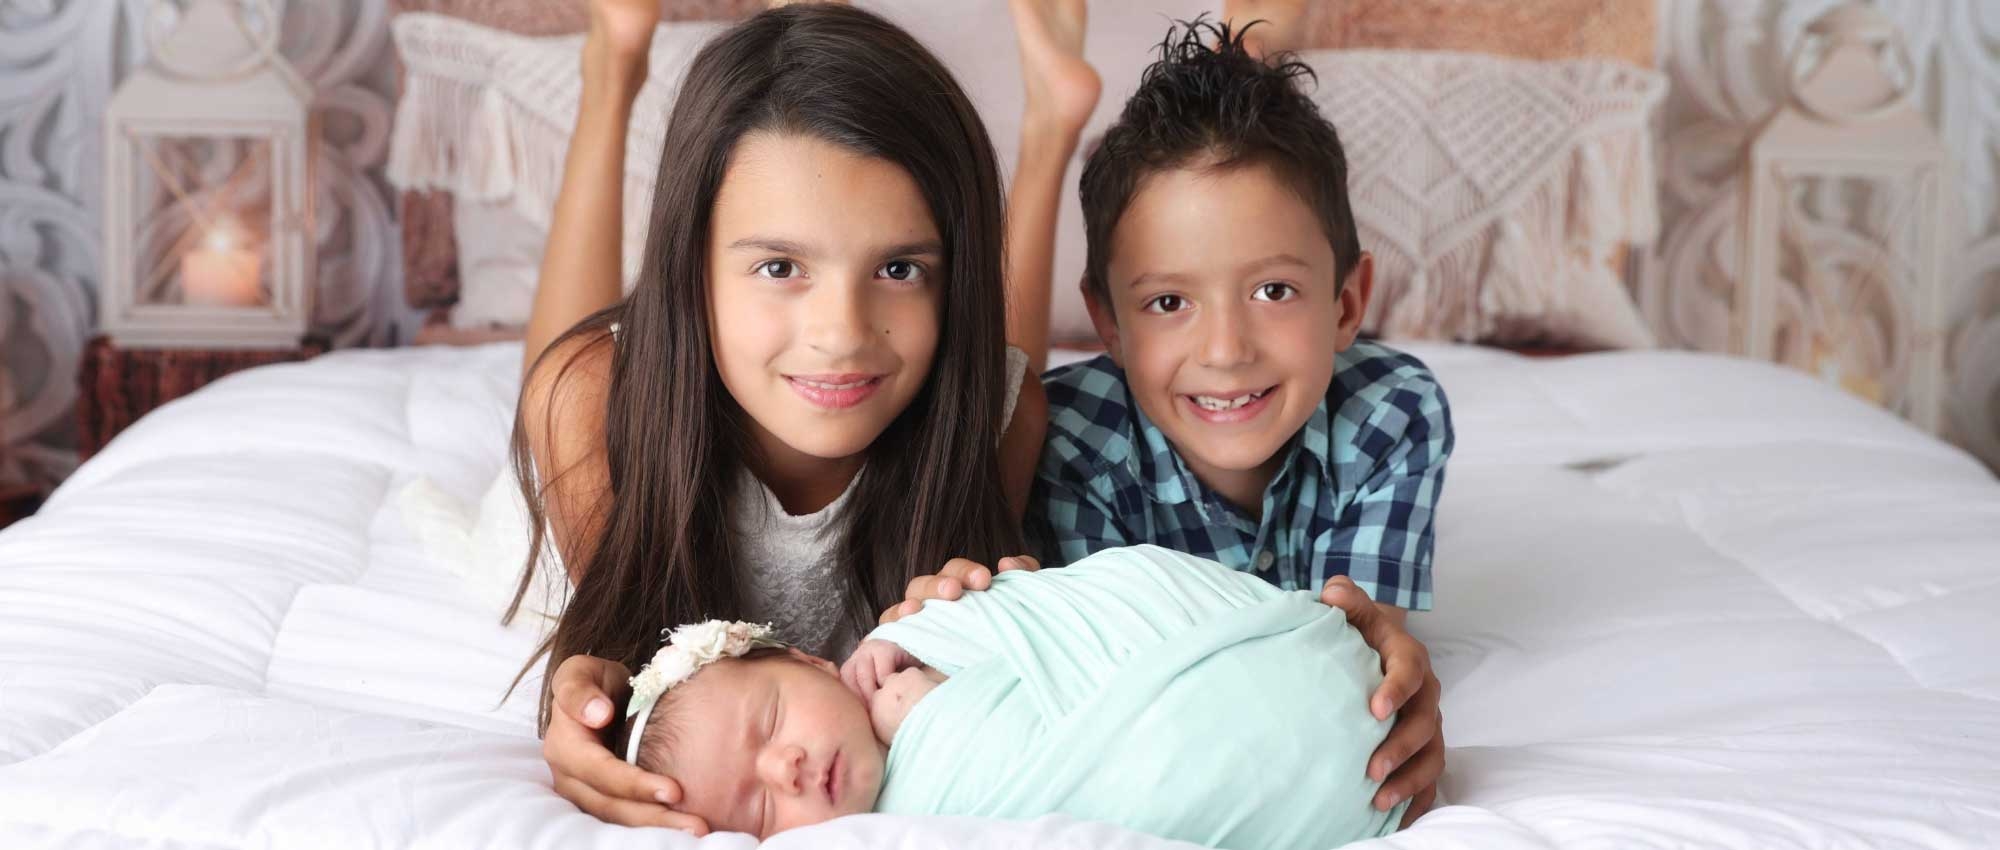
1725	61
59	64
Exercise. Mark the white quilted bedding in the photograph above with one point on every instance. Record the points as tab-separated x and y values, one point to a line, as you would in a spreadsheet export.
1683	601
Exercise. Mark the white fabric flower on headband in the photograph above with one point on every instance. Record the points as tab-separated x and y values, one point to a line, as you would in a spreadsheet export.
688	649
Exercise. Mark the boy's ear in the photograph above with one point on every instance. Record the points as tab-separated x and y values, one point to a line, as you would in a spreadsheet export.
1354	295
1104	319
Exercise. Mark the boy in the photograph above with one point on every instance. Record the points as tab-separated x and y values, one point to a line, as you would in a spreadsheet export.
1235	416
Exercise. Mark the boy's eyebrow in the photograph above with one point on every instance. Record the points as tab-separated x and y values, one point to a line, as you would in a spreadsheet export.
1149	277
1279	259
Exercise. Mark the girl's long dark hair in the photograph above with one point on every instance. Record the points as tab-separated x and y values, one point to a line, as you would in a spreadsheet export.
675	439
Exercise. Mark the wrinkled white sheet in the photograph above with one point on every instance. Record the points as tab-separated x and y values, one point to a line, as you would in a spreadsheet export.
1681	601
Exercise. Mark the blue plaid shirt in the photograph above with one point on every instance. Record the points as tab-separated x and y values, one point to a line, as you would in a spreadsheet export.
1354	496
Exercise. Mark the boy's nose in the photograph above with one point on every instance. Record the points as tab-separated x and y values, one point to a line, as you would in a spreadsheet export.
1225	341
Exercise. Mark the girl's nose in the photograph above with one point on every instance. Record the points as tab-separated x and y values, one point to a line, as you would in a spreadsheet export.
836	318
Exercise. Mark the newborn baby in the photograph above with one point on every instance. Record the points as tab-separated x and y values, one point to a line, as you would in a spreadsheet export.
1139	686
770	738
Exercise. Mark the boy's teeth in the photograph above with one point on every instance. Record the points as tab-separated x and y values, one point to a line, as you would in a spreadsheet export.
1209	402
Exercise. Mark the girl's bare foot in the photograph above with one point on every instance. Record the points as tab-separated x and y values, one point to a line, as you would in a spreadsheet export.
1062	88
621	37
1282	28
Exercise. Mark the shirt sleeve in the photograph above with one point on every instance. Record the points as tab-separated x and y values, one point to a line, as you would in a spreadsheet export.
1386	536
1067	517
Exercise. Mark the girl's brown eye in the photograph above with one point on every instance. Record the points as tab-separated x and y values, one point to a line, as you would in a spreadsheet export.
777	269
902	271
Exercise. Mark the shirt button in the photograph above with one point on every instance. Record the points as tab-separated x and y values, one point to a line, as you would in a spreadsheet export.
1264	561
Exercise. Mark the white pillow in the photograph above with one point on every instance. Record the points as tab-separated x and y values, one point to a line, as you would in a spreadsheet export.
499	260
1495	193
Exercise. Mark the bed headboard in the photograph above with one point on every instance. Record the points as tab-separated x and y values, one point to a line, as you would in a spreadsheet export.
1545	29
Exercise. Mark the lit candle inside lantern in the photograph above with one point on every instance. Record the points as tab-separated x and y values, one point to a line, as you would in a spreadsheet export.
219	273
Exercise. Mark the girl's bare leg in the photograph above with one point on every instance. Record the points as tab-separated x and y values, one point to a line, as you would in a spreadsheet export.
1062	91
1283	27
581	267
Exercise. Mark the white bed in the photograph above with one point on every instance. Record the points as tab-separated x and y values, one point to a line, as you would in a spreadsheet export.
1681	601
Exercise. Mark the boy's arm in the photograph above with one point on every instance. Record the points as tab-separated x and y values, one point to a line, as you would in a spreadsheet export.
1385	539
1067	518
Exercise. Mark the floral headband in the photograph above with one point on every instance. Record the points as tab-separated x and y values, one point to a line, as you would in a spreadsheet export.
688	649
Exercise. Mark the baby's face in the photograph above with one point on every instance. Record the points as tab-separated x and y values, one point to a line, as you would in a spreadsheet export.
772	744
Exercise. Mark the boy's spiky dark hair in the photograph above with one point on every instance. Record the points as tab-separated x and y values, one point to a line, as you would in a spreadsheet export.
1208	101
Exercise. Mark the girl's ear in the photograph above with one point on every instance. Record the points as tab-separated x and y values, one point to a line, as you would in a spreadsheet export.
1106	321
814	660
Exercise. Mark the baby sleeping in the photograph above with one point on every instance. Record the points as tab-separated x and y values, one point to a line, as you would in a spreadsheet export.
1143	687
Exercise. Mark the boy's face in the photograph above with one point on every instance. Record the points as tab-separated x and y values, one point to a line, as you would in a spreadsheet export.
1225	315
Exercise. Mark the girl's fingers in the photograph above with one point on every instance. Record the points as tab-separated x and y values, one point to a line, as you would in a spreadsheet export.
627	812
1027	563
578	694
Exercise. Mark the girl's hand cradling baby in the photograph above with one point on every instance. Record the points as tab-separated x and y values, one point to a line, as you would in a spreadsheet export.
957	577
586	693
872	663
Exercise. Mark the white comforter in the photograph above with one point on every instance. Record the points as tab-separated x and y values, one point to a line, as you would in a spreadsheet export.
1682	601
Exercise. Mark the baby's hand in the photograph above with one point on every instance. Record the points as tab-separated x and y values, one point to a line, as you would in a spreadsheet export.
872	663
897	695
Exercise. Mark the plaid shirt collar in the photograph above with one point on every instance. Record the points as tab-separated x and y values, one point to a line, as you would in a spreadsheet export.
1171	482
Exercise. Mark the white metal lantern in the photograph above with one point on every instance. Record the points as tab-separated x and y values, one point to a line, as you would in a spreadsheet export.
208	232
1868	309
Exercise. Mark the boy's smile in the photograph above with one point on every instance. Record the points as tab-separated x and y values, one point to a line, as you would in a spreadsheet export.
1226	317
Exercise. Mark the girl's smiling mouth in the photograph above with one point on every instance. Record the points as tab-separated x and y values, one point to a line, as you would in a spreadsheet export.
835	391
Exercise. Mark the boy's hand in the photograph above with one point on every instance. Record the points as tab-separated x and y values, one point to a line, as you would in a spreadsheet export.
586	691
1411	759
872	663
957	577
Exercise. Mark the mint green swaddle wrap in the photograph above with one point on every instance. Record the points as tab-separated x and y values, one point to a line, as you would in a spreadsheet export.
1147	688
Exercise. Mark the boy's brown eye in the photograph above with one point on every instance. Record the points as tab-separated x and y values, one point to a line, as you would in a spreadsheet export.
1274	291
1166	304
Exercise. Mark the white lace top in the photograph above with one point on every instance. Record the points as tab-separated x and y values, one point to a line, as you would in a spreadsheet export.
790	569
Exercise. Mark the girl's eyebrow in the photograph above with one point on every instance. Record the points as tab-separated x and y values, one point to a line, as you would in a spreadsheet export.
768	243
928	246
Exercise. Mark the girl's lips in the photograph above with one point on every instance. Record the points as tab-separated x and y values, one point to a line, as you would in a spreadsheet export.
1232	415
834	392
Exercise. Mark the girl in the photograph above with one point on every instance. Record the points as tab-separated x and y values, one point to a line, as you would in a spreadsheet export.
807	401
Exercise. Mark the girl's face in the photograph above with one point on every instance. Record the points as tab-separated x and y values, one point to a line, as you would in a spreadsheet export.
823	293
773	744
